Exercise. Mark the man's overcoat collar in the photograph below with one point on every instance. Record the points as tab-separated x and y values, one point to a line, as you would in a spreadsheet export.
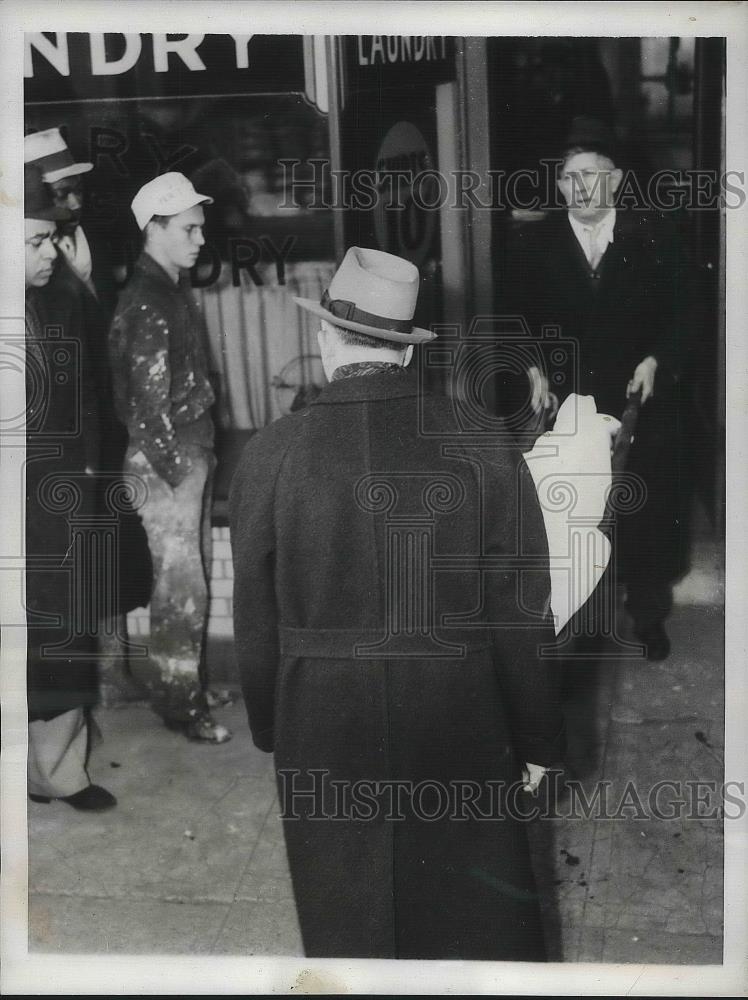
369	387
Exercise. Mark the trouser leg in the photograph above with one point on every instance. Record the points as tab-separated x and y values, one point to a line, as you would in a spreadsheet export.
58	750
173	520
653	538
648	601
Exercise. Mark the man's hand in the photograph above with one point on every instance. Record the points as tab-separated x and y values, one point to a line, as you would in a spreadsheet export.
532	775
644	378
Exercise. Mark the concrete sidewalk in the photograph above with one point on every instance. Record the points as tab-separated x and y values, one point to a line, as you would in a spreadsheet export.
192	861
638	888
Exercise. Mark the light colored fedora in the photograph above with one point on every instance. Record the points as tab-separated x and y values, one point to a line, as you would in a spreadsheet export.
375	293
49	151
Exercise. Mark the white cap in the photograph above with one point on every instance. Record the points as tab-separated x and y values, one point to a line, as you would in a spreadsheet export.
168	194
50	153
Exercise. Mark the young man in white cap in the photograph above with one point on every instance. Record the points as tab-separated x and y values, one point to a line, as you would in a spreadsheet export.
61	688
387	640
164	396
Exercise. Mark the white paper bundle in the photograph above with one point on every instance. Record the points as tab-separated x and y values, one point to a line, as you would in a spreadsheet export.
570	467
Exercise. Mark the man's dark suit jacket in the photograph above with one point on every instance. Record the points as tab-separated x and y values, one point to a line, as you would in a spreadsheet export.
639	302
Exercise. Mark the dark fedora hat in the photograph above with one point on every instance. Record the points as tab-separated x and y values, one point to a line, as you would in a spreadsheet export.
37	201
590	135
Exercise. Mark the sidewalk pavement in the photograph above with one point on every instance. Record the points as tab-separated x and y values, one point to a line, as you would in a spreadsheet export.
192	860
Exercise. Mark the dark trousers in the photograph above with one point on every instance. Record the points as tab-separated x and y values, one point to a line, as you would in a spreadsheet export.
648	600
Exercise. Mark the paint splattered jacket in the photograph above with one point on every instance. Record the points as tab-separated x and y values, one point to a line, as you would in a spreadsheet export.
160	370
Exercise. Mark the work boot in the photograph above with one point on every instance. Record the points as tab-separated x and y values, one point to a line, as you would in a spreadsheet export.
219	699
205	729
202	728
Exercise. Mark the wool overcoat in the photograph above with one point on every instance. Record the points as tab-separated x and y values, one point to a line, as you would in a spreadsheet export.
94	314
640	301
62	443
391	596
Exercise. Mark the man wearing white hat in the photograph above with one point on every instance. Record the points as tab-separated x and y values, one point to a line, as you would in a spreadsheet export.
49	151
164	396
72	277
387	639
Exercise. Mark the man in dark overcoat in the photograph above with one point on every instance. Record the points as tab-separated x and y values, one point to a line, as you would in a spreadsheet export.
79	273
391	598
83	273
618	283
60	490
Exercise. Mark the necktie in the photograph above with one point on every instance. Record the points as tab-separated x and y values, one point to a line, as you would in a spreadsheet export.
594	254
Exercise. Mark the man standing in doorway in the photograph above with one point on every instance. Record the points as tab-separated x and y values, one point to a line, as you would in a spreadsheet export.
163	395
616	281
370	674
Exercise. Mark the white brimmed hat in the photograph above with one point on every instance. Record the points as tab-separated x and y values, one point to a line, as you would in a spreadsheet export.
375	293
49	151
167	194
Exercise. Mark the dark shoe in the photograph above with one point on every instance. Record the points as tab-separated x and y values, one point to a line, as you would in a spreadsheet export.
655	639
93	798
39	798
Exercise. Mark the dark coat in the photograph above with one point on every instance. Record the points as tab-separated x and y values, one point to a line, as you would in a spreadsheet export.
67	294
62	441
95	317
317	549
639	302
135	569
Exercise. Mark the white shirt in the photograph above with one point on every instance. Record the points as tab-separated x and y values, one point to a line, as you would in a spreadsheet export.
594	240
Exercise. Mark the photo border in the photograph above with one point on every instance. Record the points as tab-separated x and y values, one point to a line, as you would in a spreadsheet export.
116	975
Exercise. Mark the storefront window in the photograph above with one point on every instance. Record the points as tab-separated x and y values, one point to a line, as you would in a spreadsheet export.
262	245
